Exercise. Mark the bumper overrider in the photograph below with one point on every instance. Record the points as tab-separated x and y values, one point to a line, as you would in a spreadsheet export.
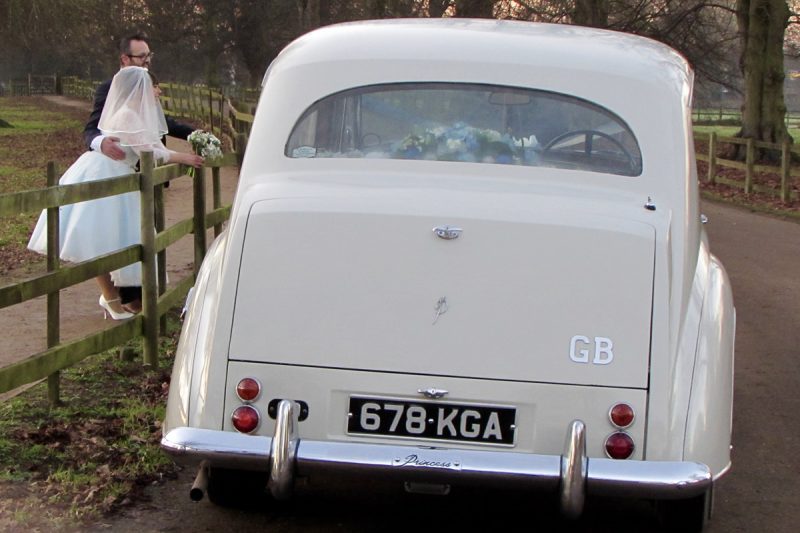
573	475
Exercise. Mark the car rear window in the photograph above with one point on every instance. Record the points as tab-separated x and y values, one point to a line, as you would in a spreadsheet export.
467	123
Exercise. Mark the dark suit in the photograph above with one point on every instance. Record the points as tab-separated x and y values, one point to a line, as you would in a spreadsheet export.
176	129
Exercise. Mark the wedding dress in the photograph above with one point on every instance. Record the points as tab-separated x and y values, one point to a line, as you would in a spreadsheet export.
96	227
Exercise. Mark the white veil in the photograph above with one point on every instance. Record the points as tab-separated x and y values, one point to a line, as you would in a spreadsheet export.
132	112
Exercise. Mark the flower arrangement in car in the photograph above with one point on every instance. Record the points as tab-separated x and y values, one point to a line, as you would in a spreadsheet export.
465	143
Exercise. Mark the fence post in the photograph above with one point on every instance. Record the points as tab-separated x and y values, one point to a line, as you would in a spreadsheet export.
749	162
712	157
199	186
216	190
161	258
786	168
241	144
211	112
53	298
149	281
221	106
192	112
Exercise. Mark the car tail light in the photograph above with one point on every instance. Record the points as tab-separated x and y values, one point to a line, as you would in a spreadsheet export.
248	389
619	445
621	415
245	418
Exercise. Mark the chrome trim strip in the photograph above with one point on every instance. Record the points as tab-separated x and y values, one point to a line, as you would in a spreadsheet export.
636	479
433	393
447	232
647	479
574	466
283	450
723	471
519	470
190	446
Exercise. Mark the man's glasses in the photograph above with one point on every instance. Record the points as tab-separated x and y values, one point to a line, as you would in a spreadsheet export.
143	57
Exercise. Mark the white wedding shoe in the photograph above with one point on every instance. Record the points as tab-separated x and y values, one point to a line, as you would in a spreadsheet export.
106	305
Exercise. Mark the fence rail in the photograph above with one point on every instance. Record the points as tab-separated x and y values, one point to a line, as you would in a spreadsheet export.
201	103
34	84
786	190
156	299
733	116
78	88
208	105
215	107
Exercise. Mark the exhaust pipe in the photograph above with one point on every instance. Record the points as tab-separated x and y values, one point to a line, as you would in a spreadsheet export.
200	484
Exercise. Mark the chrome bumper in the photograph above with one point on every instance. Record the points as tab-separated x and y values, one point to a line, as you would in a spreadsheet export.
574	476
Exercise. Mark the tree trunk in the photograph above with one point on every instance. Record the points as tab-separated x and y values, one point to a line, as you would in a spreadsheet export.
436	8
475	9
761	29
591	13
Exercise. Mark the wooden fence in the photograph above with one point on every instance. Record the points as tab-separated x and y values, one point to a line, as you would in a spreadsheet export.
193	102
785	189
214	107
34	84
733	117
78	88
156	300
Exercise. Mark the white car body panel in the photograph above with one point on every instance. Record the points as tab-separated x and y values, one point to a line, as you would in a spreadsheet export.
329	281
532	321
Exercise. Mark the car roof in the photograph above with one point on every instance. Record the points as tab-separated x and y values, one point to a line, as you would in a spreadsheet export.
646	84
473	42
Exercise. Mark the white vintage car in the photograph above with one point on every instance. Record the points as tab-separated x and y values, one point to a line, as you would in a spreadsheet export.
464	252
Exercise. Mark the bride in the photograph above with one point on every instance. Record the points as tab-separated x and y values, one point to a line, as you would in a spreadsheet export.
132	114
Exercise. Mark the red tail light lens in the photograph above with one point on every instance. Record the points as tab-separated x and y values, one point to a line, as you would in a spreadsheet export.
245	418
621	415
248	389
619	445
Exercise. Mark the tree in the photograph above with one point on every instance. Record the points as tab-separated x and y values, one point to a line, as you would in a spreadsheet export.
762	24
704	31
591	13
474	8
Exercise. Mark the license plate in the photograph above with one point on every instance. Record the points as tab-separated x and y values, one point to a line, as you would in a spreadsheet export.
431	420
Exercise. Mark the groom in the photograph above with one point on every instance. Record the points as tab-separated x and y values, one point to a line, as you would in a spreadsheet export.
133	51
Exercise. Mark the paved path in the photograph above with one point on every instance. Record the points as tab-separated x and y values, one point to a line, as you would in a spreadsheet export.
762	256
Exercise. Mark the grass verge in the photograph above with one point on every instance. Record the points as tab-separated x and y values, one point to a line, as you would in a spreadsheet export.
726	197
40	132
94	454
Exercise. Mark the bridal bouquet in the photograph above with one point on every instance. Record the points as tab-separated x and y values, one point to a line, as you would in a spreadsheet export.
205	144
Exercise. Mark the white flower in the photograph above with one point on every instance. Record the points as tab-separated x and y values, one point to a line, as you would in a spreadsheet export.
492	135
205	144
530	142
456	145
